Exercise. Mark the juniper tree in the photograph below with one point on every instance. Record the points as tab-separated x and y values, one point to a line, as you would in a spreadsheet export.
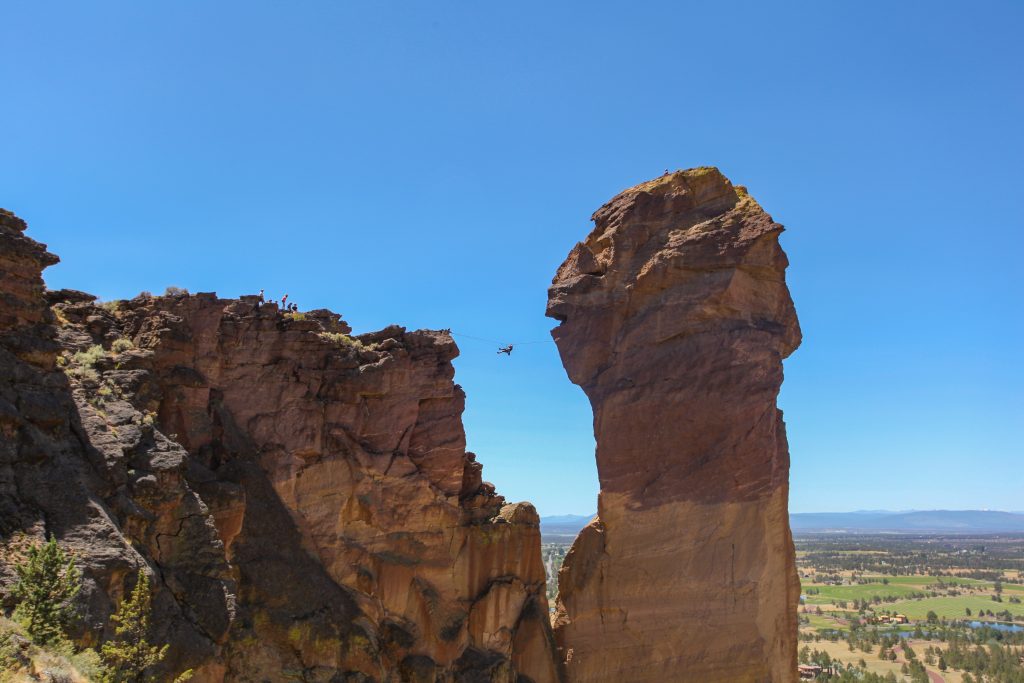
48	583
129	654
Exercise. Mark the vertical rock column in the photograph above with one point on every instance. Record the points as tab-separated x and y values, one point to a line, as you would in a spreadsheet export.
675	319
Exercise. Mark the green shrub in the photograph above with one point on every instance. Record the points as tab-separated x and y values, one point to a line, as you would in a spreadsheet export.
48	583
85	374
81	363
129	654
121	345
10	650
87	662
341	339
58	313
175	291
88	358
58	661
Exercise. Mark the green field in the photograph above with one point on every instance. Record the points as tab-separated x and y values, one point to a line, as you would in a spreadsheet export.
849	561
830	594
901	586
923	581
952	607
822	622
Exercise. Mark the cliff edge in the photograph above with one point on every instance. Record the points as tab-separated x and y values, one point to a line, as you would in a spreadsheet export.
302	498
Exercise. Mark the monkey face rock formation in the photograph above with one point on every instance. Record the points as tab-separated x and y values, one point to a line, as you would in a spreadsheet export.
303	499
675	319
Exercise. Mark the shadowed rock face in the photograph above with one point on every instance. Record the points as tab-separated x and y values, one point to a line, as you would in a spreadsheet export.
303	499
675	319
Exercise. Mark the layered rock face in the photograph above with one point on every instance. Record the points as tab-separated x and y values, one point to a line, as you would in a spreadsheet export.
675	319
303	499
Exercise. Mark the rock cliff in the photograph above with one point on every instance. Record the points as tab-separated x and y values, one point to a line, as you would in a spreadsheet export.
303	498
675	319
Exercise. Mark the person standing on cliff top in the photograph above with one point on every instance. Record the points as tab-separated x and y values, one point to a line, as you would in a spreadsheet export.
261	296
284	300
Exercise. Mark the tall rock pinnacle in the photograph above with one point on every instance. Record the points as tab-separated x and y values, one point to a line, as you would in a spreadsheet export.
675	319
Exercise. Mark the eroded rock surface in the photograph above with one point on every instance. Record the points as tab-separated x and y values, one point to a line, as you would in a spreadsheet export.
675	319
302	498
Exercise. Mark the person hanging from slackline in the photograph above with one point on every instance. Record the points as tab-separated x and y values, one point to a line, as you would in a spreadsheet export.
507	350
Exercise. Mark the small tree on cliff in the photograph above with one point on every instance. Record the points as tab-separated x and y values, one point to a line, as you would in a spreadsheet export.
48	582
127	656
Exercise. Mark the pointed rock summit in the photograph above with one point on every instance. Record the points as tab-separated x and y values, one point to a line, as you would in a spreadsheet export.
675	319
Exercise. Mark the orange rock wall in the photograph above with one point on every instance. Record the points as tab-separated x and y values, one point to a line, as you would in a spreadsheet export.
675	318
302	499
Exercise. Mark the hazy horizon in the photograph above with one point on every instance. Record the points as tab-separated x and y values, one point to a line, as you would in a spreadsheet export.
840	512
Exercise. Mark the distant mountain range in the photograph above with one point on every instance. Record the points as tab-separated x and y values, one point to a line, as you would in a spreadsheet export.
923	521
563	528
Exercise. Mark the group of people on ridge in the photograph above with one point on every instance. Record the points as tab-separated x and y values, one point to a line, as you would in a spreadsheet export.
290	308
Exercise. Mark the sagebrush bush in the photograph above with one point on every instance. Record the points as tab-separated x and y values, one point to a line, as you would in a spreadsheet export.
121	345
88	358
81	363
10	649
55	675
343	339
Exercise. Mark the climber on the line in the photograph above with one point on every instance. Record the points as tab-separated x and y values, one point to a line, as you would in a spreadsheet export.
507	350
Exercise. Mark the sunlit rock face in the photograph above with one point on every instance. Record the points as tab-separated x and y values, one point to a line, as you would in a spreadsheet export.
675	319
303	499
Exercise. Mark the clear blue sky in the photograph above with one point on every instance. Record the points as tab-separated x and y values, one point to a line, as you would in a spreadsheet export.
431	164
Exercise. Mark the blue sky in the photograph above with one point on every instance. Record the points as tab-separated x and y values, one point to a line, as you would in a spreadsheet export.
431	164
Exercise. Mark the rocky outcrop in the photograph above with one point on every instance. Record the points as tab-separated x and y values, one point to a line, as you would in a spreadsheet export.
303	498
675	319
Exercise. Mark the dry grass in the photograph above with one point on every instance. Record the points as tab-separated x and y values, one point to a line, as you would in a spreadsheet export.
33	664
